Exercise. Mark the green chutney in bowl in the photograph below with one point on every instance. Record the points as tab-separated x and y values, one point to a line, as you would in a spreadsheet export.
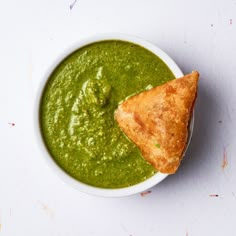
77	107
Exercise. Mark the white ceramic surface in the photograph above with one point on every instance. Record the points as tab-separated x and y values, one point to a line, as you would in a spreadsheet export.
157	178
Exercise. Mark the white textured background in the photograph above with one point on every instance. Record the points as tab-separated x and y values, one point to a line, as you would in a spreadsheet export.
198	35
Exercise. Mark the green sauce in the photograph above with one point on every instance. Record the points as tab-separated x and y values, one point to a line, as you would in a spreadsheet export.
77	112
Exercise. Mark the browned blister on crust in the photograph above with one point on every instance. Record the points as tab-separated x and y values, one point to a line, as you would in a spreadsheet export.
157	121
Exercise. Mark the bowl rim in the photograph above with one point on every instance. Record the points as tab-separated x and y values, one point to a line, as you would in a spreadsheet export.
102	192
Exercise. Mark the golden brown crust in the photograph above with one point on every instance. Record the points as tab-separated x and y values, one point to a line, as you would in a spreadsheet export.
157	121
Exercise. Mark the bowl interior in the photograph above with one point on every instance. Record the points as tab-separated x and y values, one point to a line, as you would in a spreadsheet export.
155	179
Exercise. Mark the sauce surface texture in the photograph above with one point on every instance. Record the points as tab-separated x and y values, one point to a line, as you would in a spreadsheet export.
77	112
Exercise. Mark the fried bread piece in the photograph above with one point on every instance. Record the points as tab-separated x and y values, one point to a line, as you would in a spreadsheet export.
157	121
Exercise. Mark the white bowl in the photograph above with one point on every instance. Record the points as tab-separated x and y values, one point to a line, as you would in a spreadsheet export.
150	182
